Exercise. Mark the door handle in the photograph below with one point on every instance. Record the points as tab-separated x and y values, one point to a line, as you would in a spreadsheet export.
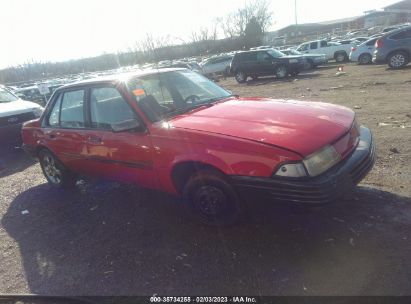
52	135
94	140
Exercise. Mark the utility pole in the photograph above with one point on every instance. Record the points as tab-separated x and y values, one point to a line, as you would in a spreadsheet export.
295	11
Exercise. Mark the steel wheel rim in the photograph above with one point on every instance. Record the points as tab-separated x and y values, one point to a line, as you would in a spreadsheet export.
240	76
397	60
281	72
53	174
210	200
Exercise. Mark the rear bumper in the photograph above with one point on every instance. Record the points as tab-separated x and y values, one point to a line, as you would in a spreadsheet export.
322	189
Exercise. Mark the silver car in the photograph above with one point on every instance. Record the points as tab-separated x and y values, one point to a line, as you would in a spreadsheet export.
363	53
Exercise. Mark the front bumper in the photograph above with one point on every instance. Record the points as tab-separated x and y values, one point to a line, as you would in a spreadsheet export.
321	189
10	134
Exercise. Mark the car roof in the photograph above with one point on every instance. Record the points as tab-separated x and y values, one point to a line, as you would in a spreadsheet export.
119	77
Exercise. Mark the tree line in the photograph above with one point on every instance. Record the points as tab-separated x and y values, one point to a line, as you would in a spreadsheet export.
241	29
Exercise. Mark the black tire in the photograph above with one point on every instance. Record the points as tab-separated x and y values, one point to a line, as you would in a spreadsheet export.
295	73
281	72
57	175
397	60
340	57
254	77
240	76
211	198
365	59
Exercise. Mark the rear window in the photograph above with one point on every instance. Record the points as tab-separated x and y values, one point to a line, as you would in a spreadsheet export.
402	35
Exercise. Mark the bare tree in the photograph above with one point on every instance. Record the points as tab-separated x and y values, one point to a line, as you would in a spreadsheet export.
234	24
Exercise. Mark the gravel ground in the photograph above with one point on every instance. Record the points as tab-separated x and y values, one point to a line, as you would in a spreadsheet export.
111	239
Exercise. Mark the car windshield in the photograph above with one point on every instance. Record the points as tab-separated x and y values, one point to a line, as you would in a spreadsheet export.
167	94
6	96
275	53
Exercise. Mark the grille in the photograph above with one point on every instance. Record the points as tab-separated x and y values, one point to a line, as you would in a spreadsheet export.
16	119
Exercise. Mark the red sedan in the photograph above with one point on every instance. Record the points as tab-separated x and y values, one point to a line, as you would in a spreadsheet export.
176	131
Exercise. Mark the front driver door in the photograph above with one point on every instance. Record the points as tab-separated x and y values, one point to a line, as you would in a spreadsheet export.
125	155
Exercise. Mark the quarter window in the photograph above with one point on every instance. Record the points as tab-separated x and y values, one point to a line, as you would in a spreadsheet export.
72	109
108	107
323	44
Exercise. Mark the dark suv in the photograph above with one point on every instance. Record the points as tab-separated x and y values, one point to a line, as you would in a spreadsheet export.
265	62
394	48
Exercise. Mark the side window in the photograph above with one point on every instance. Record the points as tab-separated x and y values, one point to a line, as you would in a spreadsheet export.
303	47
313	45
251	56
262	56
323	44
72	109
53	120
108	107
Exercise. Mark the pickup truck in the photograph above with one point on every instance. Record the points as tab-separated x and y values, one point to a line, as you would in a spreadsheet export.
333	50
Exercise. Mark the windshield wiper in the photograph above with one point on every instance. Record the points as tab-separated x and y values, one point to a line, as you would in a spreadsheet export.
184	110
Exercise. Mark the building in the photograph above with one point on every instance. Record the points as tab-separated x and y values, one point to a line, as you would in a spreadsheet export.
396	13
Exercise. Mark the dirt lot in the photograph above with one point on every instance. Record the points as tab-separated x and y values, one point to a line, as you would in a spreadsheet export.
110	239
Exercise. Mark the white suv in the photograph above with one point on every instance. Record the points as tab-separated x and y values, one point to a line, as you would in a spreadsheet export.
13	113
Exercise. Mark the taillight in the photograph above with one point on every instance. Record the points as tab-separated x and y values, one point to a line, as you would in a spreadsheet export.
378	43
353	49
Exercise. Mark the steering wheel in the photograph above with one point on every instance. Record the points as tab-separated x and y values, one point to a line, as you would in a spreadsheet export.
191	98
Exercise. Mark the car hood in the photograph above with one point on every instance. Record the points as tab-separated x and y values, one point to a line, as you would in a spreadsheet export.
303	127
16	107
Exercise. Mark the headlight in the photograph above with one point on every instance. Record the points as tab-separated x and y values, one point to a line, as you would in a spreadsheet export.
293	60
292	170
38	111
321	160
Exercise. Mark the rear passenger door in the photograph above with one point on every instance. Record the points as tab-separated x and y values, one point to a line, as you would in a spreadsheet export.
125	155
265	63
64	130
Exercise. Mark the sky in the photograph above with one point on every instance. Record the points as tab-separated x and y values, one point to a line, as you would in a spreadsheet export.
56	30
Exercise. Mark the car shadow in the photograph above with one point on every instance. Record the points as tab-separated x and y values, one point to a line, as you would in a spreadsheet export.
112	239
267	80
13	159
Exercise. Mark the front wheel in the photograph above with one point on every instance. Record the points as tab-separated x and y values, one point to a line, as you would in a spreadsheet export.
281	72
397	60
55	172
240	76
212	199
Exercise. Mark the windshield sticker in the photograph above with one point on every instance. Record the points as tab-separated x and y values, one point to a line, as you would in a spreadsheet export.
139	92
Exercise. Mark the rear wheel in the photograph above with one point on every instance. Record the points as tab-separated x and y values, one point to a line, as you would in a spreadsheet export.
55	172
212	199
340	57
254	77
281	72
398	60
365	59
240	76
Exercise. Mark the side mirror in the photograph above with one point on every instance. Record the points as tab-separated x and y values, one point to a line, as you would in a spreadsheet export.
127	125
